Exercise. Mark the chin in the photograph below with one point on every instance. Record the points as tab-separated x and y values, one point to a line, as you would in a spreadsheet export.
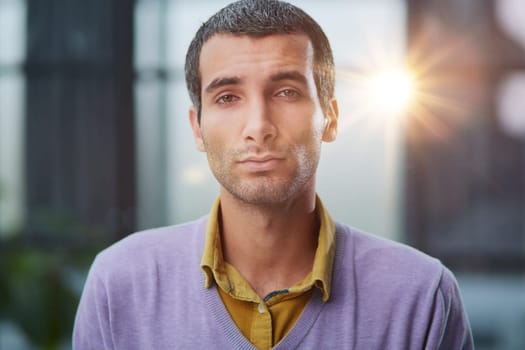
269	192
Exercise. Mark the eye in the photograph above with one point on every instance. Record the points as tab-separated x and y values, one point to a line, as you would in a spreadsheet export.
227	99
289	93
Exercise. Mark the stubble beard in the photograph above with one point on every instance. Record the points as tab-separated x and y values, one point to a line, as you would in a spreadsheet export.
265	189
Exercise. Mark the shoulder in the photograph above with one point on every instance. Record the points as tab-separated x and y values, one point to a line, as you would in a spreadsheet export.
146	250
397	290
171	239
386	263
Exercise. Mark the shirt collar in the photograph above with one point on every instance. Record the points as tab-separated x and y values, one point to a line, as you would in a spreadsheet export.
213	265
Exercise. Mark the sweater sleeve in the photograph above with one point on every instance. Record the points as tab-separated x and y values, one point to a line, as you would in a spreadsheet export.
449	327
92	329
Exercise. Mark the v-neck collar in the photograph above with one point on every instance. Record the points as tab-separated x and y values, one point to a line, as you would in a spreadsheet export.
237	339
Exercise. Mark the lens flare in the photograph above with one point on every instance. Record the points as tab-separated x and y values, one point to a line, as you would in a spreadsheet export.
392	90
380	93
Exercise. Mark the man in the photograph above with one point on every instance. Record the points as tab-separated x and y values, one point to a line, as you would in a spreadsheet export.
268	268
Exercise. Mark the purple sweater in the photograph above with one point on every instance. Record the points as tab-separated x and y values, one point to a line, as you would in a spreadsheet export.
147	292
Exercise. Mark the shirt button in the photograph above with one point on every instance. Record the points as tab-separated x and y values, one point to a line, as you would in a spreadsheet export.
261	308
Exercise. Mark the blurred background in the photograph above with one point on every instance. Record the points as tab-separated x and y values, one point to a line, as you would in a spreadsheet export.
95	143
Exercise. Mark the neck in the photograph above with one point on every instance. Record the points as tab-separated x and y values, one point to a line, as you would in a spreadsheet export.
273	247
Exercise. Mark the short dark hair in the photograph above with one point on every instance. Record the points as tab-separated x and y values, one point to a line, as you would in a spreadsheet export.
259	18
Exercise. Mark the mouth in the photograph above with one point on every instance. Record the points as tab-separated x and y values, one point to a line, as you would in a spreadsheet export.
261	163
259	158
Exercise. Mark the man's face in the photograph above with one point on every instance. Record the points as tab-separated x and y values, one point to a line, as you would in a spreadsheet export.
261	121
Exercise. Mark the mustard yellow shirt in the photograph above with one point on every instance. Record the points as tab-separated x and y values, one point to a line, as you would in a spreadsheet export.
266	321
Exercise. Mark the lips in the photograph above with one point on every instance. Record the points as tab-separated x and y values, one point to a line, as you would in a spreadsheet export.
259	158
261	163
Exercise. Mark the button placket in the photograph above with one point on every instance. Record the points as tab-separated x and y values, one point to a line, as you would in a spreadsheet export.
261	308
261	330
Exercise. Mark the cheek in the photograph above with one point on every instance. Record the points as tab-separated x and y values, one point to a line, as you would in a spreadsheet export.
315	122
217	129
319	123
217	141
314	133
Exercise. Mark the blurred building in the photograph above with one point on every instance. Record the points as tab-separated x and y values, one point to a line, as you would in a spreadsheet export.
95	144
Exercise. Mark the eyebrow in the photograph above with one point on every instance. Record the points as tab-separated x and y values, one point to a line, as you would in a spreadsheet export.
279	76
290	75
222	81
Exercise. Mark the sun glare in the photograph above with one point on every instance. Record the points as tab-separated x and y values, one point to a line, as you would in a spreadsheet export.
419	91
391	91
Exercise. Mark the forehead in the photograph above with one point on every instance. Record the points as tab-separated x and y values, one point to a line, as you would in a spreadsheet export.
229	54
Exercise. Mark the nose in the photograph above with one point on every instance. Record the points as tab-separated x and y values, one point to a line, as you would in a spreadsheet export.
259	127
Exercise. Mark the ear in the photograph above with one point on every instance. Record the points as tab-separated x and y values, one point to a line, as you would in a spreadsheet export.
330	121
196	128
